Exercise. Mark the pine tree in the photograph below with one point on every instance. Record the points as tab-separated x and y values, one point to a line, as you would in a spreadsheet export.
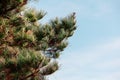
29	49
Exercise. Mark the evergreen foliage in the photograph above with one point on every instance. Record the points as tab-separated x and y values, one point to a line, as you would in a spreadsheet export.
28	49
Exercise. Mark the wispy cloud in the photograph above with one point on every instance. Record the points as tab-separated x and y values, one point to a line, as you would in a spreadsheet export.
103	9
97	63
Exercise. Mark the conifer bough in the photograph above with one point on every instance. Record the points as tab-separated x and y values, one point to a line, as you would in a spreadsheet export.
28	49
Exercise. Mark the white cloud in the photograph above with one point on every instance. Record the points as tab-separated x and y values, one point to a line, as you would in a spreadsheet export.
99	62
94	53
113	64
103	9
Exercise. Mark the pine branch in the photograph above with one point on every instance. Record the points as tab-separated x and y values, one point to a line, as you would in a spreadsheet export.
31	75
13	7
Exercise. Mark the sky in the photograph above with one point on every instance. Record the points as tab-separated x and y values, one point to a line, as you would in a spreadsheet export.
93	52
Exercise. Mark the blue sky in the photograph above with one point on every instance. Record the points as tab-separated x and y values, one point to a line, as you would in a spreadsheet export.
94	50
